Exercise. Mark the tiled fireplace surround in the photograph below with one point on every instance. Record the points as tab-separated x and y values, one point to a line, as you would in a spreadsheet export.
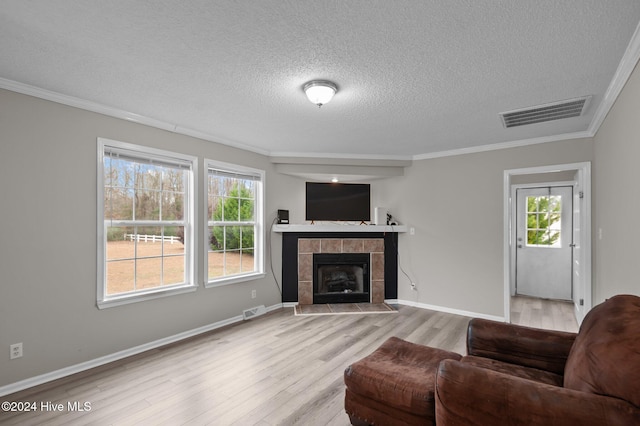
308	246
382	245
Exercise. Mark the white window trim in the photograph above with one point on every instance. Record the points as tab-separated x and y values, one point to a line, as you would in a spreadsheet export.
190	285
259	234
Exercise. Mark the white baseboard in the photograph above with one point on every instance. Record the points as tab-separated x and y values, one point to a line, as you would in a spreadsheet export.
77	368
448	310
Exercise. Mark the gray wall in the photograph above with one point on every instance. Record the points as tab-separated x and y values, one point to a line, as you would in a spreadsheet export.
617	180
455	205
48	156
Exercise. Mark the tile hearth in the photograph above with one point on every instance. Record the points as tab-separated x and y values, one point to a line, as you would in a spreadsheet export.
344	308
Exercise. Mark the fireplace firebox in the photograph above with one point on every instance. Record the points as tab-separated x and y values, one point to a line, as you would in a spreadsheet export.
341	277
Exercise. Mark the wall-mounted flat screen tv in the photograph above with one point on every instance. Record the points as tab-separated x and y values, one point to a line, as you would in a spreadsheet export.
338	201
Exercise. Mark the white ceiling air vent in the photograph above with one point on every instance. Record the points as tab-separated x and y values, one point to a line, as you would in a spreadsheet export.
547	112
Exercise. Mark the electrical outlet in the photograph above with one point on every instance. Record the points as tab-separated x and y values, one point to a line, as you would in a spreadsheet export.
15	351
412	231
413	286
253	294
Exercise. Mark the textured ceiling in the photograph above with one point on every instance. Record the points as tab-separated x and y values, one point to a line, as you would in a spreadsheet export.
414	77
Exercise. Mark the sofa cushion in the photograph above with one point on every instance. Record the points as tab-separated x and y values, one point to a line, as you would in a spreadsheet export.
605	357
528	373
516	344
468	395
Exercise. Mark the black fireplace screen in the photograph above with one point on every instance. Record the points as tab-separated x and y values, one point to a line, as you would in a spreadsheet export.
341	277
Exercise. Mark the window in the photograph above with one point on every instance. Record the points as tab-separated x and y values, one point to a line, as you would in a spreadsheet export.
234	223
543	220
145	222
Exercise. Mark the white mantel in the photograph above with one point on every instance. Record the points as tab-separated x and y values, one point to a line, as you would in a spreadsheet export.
334	227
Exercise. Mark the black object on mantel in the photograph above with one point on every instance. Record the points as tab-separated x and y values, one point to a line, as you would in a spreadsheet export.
283	217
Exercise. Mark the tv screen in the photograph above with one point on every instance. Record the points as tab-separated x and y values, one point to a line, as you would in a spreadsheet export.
338	201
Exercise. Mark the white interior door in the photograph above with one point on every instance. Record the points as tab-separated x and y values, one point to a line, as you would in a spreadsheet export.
544	242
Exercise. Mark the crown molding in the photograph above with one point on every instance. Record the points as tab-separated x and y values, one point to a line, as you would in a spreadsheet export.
620	78
72	101
343	173
503	145
281	156
343	161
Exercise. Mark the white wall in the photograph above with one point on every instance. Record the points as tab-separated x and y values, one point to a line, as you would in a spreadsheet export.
455	205
48	243
617	206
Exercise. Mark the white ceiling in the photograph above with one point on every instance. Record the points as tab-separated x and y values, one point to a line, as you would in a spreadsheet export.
416	78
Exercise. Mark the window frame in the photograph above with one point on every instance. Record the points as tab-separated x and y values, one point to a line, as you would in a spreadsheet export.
258	242
190	223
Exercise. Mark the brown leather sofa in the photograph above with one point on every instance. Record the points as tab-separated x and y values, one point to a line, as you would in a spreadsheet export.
516	375
511	375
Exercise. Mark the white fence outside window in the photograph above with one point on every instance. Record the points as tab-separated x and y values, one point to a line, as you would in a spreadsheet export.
151	238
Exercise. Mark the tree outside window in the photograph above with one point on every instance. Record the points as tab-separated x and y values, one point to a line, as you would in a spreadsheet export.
234	219
543	220
145	209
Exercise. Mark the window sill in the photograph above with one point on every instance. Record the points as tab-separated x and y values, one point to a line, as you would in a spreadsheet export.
235	279
141	297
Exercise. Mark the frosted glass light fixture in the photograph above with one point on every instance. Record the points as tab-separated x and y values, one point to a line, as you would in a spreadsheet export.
320	92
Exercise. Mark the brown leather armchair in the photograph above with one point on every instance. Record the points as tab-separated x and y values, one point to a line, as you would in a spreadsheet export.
516	375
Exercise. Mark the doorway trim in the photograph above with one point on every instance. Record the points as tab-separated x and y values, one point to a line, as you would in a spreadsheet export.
583	184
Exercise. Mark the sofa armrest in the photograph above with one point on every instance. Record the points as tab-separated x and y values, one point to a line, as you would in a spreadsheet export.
531	347
470	395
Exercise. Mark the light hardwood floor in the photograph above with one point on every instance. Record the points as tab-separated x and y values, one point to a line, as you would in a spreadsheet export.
278	369
543	313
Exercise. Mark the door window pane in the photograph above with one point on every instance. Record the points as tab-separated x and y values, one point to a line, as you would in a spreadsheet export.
544	220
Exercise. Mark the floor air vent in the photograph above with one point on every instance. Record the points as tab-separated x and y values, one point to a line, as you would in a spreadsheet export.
253	312
547	112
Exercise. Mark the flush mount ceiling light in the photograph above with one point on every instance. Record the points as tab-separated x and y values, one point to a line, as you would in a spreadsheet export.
320	92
